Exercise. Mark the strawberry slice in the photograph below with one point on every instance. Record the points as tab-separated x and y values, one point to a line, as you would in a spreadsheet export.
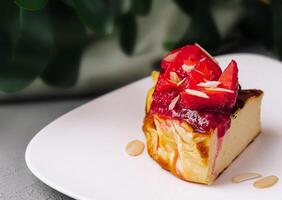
193	55
190	73
192	87
220	98
208	69
184	61
168	58
164	93
229	77
165	84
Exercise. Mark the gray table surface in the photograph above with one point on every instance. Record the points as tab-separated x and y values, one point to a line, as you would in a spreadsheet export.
19	122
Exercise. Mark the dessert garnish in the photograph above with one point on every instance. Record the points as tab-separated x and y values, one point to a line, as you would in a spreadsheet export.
244	177
193	88
135	147
266	182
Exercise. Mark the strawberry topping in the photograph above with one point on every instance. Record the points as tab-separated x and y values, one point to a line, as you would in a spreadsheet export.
193	82
221	97
169	58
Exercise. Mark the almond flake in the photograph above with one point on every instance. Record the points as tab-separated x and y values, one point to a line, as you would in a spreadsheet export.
173	103
202	59
244	177
197	93
179	83
135	148
174	77
198	71
170	57
266	182
209	84
209	55
220	89
188	68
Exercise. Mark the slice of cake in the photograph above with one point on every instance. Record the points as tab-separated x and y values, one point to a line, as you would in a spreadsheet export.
197	119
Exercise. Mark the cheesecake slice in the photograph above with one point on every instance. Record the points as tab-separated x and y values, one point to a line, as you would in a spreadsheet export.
197	119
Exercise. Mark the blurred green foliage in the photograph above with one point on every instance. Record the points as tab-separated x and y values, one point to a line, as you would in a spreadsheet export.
46	38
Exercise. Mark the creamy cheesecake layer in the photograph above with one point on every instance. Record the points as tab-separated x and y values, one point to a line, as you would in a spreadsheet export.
200	157
245	126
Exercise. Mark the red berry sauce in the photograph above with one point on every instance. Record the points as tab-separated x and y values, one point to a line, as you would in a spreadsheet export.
203	114
201	121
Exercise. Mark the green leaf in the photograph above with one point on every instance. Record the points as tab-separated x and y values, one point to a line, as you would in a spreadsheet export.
187	6
277	28
141	7
128	33
63	67
8	29
119	7
96	15
202	30
257	24
32	4
70	3
30	53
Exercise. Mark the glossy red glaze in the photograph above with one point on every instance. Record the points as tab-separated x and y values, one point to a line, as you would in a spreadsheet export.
168	58
203	114
217	100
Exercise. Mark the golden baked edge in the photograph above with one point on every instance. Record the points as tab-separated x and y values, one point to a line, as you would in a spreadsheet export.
196	157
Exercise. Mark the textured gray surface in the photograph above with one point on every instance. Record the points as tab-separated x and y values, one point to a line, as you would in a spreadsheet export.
18	124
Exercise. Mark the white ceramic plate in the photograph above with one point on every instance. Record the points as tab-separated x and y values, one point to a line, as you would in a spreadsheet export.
82	154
